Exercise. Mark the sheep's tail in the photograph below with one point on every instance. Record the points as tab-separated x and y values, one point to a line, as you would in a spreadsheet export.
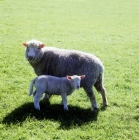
31	86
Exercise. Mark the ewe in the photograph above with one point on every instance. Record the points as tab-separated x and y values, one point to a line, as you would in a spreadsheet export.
61	62
51	85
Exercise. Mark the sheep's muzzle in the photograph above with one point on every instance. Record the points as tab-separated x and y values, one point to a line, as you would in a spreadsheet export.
30	58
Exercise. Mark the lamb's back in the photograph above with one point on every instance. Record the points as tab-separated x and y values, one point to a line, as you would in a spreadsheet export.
53	85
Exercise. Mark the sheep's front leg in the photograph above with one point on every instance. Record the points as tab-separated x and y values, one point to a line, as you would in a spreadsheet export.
37	100
92	98
64	101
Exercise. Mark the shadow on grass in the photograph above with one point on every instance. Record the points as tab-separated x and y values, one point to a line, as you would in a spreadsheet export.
76	116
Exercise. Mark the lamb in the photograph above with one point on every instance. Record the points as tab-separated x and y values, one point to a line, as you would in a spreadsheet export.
52	85
62	62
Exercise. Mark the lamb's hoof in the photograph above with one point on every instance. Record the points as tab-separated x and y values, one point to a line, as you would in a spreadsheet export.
66	109
46	101
37	108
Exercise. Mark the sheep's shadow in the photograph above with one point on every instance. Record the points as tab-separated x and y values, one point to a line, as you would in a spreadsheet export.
76	116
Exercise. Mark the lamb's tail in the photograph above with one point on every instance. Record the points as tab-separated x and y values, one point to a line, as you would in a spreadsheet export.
31	86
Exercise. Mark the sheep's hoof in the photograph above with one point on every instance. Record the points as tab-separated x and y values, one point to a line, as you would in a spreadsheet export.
95	109
104	107
105	104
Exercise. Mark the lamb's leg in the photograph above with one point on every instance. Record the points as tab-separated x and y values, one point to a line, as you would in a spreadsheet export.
64	101
34	93
92	98
46	97
37	100
100	88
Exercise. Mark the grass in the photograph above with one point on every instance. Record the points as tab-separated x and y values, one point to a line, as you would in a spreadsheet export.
108	29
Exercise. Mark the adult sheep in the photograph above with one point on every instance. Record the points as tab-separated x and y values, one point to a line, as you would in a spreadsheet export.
62	62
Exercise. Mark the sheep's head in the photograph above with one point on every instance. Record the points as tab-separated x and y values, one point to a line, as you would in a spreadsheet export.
34	51
75	80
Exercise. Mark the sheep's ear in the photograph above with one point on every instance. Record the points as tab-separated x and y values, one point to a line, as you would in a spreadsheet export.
24	44
82	76
42	45
69	77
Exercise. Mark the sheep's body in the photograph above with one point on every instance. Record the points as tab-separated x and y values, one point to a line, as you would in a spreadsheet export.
52	85
61	62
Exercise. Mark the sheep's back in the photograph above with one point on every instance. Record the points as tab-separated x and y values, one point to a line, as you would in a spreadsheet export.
60	62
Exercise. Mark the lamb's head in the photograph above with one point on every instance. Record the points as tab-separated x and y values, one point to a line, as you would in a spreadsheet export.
33	51
75	80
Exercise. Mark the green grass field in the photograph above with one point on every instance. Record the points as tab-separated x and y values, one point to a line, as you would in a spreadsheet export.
108	29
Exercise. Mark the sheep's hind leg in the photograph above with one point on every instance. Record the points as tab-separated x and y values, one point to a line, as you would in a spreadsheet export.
100	88
92	98
37	100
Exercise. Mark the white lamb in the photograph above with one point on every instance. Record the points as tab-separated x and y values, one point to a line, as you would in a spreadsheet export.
51	85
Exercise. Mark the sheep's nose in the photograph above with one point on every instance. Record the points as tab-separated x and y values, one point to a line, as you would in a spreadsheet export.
30	57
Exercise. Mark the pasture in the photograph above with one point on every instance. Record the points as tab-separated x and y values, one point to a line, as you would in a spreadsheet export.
108	29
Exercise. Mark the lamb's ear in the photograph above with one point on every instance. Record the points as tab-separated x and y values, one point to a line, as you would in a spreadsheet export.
69	77
82	76
24	44
42	45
